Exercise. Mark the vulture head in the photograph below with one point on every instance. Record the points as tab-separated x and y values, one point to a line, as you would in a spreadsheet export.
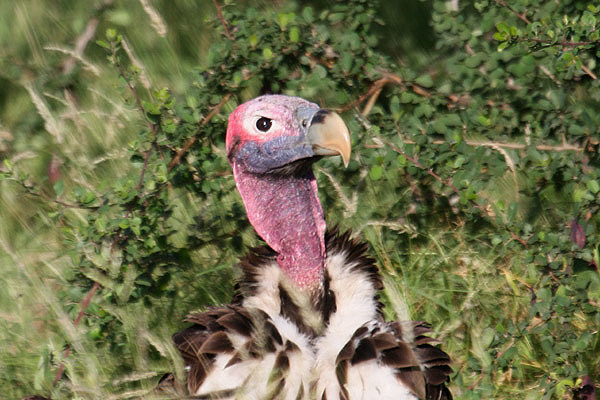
272	142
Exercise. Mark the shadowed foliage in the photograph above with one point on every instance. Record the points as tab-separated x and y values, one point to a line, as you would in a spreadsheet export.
474	178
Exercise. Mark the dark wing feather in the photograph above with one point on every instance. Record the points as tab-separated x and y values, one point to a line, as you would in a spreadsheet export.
201	342
435	363
412	357
421	367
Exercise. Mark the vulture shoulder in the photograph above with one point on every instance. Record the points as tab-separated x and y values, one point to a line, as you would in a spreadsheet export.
278	342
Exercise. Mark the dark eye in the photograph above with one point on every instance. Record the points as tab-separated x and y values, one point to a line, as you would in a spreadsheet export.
264	124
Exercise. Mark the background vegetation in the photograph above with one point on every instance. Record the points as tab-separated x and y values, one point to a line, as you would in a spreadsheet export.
475	177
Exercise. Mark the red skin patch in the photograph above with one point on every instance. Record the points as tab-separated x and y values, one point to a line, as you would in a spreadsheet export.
283	209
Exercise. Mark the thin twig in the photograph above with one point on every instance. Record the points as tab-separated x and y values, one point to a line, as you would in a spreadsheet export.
448	183
563	43
30	190
377	85
587	71
144	167
375	89
516	146
223	22
85	37
84	305
372	101
192	140
143	76
137	97
152	125
80	45
522	17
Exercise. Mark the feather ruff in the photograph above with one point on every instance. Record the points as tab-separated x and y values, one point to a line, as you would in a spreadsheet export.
278	342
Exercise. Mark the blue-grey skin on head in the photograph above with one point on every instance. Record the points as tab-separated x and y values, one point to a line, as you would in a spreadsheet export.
267	138
300	130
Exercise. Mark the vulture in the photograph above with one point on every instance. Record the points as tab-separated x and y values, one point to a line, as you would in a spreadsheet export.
305	321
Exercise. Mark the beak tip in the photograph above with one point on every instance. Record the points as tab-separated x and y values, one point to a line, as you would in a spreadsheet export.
330	136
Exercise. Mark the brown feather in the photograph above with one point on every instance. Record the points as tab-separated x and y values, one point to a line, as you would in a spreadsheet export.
291	311
197	374
346	353
365	351
326	301
282	362
420	366
384	341
413	378
236	322
216	343
400	356
237	358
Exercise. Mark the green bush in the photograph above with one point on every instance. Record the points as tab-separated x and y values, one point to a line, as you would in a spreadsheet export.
475	177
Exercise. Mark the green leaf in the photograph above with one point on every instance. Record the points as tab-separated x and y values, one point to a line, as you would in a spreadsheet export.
294	34
346	61
483	120
283	20
307	14
7	164
320	71
253	39
111	34
401	161
503	28
593	186
425	81
102	44
500	36
588	19
59	187
503	46
267	53
458	162
376	172
336	17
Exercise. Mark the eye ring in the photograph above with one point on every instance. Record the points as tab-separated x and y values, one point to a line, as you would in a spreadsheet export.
264	124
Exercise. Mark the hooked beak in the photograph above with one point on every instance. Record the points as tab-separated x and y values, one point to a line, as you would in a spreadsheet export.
329	135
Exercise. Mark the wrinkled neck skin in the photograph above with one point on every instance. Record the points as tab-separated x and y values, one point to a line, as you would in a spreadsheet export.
285	211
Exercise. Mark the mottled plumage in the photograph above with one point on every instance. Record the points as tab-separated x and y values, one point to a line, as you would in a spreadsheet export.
328	345
306	321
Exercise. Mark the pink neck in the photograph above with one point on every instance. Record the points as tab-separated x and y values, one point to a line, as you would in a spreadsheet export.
287	214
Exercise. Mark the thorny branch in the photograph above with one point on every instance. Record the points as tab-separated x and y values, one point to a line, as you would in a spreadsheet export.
515	146
215	110
375	89
522	17
86	302
153	126
223	22
563	43
448	183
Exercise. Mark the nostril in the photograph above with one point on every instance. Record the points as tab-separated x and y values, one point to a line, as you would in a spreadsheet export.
304	123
